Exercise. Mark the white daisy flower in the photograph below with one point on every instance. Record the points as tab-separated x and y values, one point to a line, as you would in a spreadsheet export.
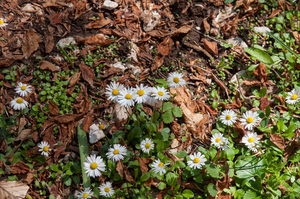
3	23
293	96
216	139
228	117
176	80
127	97
44	148
159	167
142	93
93	166
147	145
116	153
197	160
224	144
254	148
23	89
250	139
113	91
18	104
250	119
151	99
106	190
86	193
160	93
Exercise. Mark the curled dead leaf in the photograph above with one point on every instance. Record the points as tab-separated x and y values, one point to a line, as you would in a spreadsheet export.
87	74
278	140
99	23
120	113
120	169
13	189
23	135
45	65
88	121
74	79
210	47
165	46
53	108
191	119
30	43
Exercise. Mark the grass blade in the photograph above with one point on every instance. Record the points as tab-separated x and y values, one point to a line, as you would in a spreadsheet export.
84	152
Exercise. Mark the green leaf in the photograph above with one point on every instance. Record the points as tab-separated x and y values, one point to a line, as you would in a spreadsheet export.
268	111
264	122
84	152
68	181
69	172
43	93
230	154
249	167
290	130
145	177
8	77
171	179
162	186
215	104
167	117
161	81
5	71
177	111
12	178
35	107
249	194
212	170
280	126
260	55
188	193
181	154
212	189
165	134
54	167
160	145
167	106
263	92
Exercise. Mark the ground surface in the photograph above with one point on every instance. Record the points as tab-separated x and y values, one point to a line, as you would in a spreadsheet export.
142	42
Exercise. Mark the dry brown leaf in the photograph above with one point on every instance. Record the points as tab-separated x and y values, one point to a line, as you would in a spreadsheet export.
99	23
120	113
147	110
182	30
291	150
87	74
53	108
274	13
95	40
158	33
23	135
165	46
182	96
157	62
18	168
30	43
296	36
13	189
22	123
206	25
264	102
186	8
143	164
191	119
281	99
261	74
74	79
120	169
88	121
45	65
128	176
63	119
211	47
278	140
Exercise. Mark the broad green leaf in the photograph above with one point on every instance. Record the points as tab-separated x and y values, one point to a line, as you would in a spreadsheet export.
188	193
249	167
171	179
162	186
145	176
212	170
168	117
54	167
212	190
264	122
181	154
167	106
84	152
268	111
280	126
177	111
263	92
260	55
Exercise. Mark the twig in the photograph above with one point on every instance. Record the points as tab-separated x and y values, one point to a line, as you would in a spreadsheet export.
64	52
199	49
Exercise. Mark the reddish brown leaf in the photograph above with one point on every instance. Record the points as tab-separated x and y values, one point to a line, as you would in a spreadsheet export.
120	169
157	62
182	30
264	102
186	8
19	167
45	65
147	110
165	46
158	33
53	108
88	121
149	182
95	40
210	47
261	74
128	176
63	119
143	164
291	150
23	135
99	23
206	25
30	43
87	74
74	79
281	99
274	13
278	140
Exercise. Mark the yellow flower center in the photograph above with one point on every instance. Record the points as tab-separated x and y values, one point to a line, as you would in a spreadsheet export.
253	146
249	119
116	151
1	22
196	160
101	126
85	195
176	80
228	117
218	140
161	164
94	165
46	148
223	143
160	93
23	88
115	92
19	100
251	140
147	146
128	96
294	97
106	189
140	92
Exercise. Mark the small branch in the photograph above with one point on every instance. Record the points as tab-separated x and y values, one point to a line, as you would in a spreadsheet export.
199	49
